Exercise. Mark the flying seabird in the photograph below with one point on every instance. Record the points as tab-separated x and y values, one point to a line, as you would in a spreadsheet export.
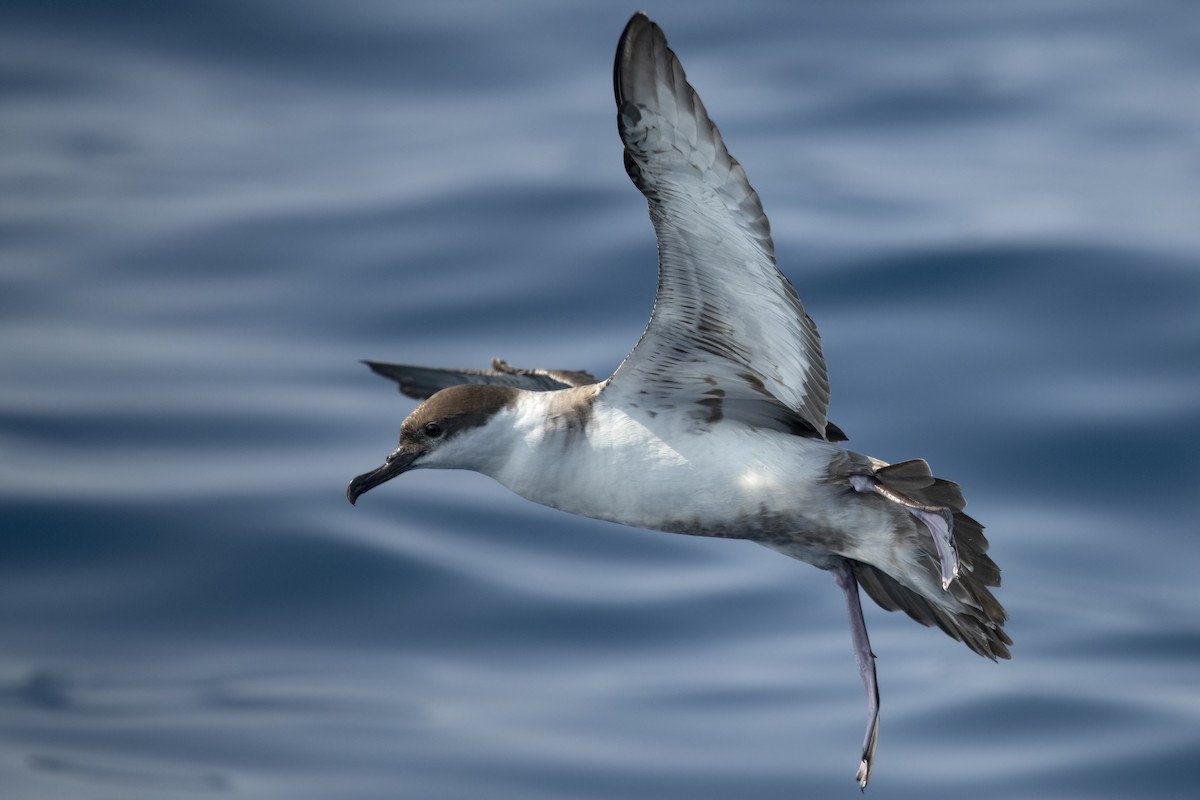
715	424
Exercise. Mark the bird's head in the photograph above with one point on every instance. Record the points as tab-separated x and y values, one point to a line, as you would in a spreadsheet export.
442	433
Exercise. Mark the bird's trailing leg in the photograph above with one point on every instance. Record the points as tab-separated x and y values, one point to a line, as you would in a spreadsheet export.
938	519
843	573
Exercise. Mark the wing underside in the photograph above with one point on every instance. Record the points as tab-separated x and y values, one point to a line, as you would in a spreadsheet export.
729	336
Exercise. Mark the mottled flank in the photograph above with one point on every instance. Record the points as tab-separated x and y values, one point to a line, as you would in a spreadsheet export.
571	410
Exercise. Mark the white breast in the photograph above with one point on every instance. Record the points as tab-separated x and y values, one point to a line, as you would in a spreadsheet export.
660	472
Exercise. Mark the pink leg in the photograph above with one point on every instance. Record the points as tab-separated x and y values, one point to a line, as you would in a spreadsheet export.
843	573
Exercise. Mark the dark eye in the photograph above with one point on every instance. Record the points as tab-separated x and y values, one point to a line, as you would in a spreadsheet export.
433	430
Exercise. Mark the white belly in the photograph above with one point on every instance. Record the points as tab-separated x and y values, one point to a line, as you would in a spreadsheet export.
652	474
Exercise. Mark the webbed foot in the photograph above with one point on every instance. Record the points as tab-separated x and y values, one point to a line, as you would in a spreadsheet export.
938	519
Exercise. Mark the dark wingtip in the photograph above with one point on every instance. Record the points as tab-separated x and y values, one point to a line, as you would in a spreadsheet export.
637	23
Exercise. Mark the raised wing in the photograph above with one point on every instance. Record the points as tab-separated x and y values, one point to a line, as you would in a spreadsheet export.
422	382
728	337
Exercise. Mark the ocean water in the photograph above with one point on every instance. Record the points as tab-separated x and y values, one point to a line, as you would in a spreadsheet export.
210	210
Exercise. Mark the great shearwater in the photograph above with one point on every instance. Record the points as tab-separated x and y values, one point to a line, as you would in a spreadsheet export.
715	424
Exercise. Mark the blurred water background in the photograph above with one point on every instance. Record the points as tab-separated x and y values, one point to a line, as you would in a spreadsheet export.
210	210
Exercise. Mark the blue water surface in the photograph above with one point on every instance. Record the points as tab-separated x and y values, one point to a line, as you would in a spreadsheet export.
210	210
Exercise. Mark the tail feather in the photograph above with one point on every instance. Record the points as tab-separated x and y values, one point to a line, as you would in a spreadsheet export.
979	628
